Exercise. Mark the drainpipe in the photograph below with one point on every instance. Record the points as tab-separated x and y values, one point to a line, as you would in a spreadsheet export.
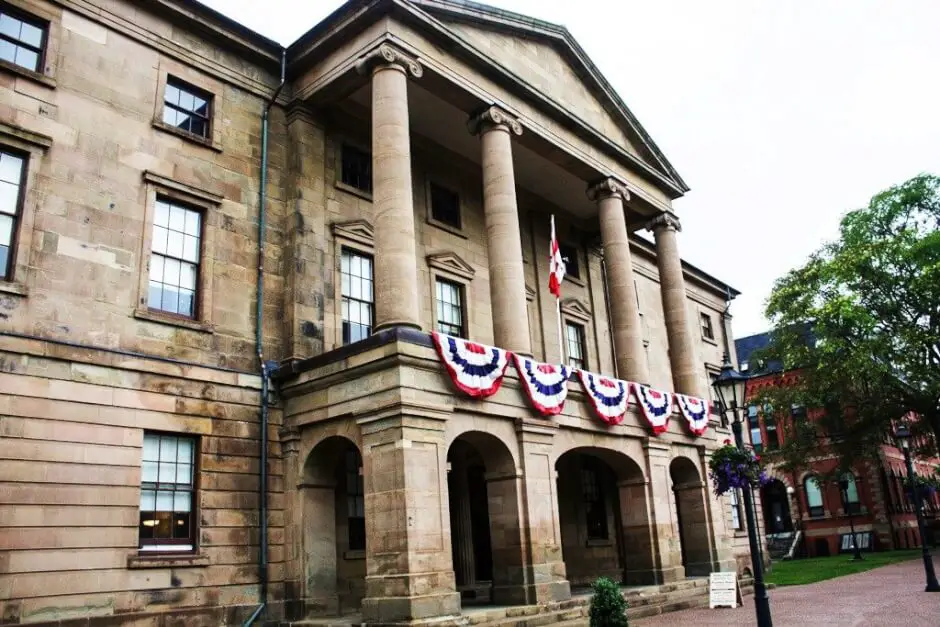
265	367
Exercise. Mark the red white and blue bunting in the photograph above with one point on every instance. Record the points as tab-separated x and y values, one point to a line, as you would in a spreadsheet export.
695	411
609	397
545	384
656	406
475	368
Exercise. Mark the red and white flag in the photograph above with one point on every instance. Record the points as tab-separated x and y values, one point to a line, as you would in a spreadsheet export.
556	266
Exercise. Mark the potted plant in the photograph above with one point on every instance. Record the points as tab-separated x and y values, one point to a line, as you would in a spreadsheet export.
608	607
732	468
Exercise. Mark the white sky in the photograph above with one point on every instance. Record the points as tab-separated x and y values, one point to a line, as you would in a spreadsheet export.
781	116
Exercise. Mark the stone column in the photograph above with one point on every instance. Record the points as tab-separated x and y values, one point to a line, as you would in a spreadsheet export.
685	372
667	551
294	586
627	333
396	269
503	243
637	532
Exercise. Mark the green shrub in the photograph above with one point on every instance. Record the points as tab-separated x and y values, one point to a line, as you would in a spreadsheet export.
608	607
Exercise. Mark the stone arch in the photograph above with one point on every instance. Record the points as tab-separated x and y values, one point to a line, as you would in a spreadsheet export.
691	514
775	501
333	527
604	516
487	541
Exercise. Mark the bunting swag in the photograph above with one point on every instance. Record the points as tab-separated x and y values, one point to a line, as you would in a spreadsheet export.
695	411
609	397
656	406
476	369
545	384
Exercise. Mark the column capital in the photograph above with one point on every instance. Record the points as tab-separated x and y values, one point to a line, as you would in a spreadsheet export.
491	118
608	188
664	221
386	55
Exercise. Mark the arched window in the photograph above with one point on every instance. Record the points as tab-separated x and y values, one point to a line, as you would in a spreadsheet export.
814	499
849	491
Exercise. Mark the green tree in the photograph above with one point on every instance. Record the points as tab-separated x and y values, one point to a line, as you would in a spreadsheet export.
608	607
857	330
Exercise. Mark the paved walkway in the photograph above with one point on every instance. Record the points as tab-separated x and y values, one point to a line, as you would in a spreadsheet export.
891	595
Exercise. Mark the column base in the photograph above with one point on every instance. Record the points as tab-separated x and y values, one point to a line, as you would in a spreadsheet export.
318	606
396	323
409	610
671	575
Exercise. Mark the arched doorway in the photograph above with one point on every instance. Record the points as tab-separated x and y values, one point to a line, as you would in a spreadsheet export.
694	538
334	535
776	505
486	537
604	516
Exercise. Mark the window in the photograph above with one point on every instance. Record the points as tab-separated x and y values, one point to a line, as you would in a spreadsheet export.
595	507
574	338
450	308
753	421
186	107
356	280
849	489
735	511
12	177
356	168
174	264
744	366
570	255
22	39
355	503
708	332
445	206
167	520
814	498
773	436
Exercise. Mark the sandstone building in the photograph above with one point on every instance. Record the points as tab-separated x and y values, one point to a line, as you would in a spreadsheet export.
184	436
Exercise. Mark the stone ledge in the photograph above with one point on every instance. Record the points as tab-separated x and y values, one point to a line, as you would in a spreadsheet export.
36	77
148	560
194	325
17	289
190	137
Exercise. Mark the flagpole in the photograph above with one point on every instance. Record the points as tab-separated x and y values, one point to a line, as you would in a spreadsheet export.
561	341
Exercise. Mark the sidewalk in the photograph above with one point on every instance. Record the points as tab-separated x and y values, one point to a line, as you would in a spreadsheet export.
890	595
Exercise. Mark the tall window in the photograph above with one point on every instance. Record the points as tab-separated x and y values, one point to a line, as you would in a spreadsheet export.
12	175
174	264
167	521
186	107
574	338
850	500
570	255
356	168
773	435
450	315
22	39
814	498
735	511
753	421
708	331
445	206
356	279
595	507
355	502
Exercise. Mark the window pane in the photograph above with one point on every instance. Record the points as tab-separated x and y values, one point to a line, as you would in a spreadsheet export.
187	101
31	35
187	303
172	94
11	168
174	244
177	218
9	197
171	272
188	276
148	472
10	26
156	268
170	300
161	214
813	493
184	451
6	230
198	127
184	474
159	239
182	502
192	223
164	501
155	296
7	51
27	58
190	248
169	116
167	471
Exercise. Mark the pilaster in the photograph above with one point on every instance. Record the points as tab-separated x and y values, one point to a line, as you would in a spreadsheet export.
667	550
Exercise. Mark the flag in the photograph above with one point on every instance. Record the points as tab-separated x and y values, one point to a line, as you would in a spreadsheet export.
556	266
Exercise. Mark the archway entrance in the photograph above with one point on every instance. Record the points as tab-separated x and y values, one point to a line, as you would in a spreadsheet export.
776	505
604	516
334	531
694	540
486	537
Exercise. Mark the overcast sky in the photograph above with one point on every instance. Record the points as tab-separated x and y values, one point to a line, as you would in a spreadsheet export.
781	116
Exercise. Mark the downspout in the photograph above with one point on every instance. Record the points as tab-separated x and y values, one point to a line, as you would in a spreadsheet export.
265	371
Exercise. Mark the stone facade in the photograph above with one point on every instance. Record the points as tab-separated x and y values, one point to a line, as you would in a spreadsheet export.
388	493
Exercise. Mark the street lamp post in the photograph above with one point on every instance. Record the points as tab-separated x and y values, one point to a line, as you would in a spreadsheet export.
730	387
844	487
903	435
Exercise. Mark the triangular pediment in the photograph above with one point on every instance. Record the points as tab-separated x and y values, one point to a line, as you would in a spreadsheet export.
575	308
452	263
360	231
548	59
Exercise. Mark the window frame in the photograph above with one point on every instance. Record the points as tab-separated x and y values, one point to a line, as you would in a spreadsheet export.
196	80
814	511
563	248
707	326
759	445
457	229
343	250
591	467
340	183
192	541
10	272
178	83
36	21
736	522
197	292
354	499
850	507
461	291
582	340
771	427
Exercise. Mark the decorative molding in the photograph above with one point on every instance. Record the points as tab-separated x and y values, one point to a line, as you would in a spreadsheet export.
451	263
664	221
183	188
493	117
16	133
359	231
529	293
386	54
576	309
608	188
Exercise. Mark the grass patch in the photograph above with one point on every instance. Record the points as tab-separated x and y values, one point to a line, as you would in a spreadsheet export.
799	572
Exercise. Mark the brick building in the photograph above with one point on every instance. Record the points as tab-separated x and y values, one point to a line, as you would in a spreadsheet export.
401	178
819	510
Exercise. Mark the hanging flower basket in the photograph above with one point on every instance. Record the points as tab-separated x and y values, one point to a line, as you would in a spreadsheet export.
733	468
927	486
